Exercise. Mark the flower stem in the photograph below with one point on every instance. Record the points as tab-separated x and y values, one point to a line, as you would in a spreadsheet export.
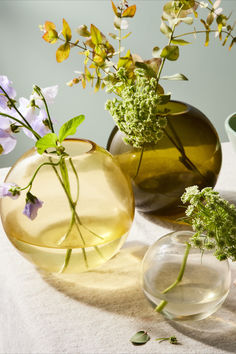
163	303
179	146
169	42
37	136
27	125
139	163
67	259
37	170
39	92
201	31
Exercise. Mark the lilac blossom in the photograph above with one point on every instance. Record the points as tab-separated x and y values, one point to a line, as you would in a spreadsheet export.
32	205
6	85
7	142
11	190
28	111
49	94
39	125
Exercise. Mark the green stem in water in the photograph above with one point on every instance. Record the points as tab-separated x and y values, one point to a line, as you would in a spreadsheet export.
179	146
139	163
37	170
66	262
85	257
163	303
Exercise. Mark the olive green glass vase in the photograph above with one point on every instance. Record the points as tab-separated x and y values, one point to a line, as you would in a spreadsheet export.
188	154
83	222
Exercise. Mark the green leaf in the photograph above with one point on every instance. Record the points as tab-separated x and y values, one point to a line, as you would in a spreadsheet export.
170	52
63	52
210	18
66	31
156	52
96	35
187	20
126	36
47	141
69	128
113	35
232	43
97	86
129	12
187	4
180	42
163	99
149	71
175	77
140	338
125	61
83	31
114	8
165	29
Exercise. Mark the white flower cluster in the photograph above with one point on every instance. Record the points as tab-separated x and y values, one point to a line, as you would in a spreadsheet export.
136	113
214	220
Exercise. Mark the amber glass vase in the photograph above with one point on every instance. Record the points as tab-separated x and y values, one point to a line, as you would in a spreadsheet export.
188	154
70	237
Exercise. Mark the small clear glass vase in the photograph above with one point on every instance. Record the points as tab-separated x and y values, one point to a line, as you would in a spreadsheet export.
203	287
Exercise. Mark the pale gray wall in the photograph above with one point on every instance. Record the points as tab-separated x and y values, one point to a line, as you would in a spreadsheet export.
26	59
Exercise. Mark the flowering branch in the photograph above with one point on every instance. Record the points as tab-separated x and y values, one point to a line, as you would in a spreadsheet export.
39	126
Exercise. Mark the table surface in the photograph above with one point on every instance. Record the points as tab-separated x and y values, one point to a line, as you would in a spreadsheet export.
102	309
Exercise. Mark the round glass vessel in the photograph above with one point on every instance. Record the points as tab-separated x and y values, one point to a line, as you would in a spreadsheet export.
70	237
203	287
188	154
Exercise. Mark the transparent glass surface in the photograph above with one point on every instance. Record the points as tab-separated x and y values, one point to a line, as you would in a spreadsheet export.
203	288
105	209
165	170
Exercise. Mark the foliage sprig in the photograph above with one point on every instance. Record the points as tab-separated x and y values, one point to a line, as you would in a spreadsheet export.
102	62
214	221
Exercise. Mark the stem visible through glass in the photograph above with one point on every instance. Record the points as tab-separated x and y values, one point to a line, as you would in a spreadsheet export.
163	303
75	220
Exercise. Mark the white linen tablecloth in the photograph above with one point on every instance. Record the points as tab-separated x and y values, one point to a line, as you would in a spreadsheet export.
101	310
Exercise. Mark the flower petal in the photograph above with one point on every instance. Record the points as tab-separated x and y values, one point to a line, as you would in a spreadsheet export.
7	142
5	190
31	208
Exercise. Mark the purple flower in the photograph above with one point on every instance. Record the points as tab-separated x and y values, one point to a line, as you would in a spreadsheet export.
7	142
37	118
32	205
9	190
6	85
49	94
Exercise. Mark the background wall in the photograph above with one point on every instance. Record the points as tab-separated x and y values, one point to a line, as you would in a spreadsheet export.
27	59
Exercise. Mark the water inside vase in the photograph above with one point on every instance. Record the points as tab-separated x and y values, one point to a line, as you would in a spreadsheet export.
200	293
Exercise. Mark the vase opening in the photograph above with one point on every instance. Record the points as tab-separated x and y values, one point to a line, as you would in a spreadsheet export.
232	123
80	147
175	108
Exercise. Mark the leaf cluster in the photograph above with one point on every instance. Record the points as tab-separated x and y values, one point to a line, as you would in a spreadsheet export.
102	63
99	52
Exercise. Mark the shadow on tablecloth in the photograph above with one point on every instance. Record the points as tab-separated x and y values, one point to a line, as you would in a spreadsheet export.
116	287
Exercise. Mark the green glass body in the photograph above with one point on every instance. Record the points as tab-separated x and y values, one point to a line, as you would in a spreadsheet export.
188	154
